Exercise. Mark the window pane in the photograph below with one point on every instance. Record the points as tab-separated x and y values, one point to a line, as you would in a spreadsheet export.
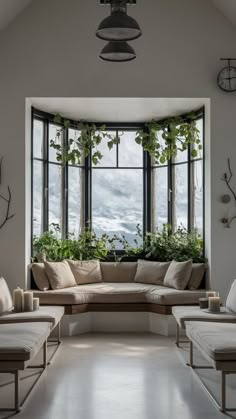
54	130
117	201
130	153
38	139
109	156
37	198
180	196
55	195
75	194
160	197
197	195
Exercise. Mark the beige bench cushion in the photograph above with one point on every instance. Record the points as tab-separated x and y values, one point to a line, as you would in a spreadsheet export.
217	341
22	341
6	302
119	293
118	271
185	313
97	293
170	296
52	315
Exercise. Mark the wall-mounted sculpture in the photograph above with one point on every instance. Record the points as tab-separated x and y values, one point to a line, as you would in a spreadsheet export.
7	201
226	198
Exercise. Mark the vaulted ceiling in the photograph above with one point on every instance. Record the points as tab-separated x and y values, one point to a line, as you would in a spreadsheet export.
9	9
228	8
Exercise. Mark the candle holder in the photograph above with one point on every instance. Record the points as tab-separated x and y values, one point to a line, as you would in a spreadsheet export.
203	302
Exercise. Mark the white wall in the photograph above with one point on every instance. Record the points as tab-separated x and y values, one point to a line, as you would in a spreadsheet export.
50	50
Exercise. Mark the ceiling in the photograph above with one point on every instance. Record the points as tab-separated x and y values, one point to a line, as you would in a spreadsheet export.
117	109
228	8
9	9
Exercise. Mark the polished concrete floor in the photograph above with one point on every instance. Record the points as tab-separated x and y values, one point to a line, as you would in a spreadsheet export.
118	376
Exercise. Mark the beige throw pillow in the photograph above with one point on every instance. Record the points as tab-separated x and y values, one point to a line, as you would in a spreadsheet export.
59	275
86	271
40	276
151	272
196	277
178	274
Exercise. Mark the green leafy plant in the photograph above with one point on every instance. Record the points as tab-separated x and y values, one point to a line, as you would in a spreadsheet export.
176	133
179	246
88	137
88	246
160	246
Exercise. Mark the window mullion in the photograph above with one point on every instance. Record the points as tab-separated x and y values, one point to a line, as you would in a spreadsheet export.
45	174
88	191
65	189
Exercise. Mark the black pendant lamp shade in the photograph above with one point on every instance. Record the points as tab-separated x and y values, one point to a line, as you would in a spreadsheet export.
118	52
118	26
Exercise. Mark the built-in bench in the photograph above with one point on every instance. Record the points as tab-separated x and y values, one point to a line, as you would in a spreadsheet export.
118	290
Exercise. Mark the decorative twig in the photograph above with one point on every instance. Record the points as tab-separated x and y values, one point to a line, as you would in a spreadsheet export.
227	179
1	170
8	200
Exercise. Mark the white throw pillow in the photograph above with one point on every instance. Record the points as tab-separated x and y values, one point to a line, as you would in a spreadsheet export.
6	302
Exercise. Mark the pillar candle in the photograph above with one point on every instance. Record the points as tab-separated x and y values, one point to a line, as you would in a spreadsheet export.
35	304
18	299
214	304
211	294
28	301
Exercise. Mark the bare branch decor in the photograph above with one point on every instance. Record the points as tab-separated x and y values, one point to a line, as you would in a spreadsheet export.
227	179
7	200
1	170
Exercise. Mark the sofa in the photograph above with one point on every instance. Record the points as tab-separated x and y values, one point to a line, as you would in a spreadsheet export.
118	286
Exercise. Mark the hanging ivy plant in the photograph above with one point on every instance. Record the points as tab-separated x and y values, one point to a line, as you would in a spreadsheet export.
88	138
176	133
162	140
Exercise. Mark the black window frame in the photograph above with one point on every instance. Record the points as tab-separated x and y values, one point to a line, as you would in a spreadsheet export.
48	118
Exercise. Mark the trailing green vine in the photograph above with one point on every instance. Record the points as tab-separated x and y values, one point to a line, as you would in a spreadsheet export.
88	138
176	133
162	140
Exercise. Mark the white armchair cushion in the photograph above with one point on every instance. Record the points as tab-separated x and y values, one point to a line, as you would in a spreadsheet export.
6	302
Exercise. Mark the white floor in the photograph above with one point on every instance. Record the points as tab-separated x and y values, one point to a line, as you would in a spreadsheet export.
119	376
